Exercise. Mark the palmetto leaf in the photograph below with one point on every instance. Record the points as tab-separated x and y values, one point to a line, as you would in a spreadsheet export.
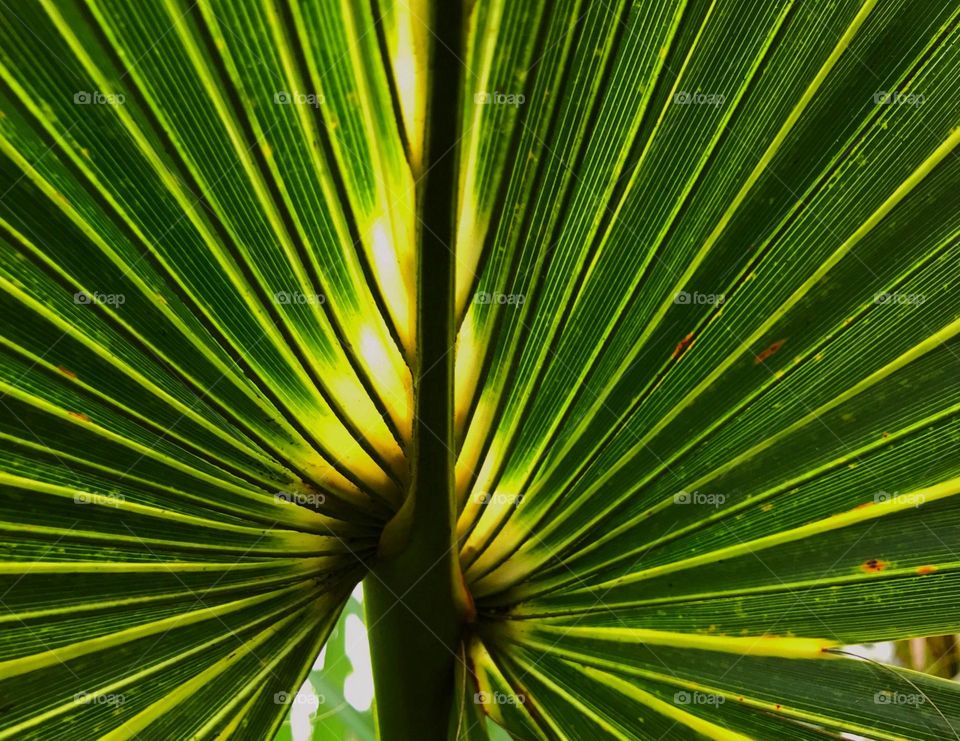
696	433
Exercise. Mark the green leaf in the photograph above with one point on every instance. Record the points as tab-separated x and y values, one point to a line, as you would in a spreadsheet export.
336	718
613	345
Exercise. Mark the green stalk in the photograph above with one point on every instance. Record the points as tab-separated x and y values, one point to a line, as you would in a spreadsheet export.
413	596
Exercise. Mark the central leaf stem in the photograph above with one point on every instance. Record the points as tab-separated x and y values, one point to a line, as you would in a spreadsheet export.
413	594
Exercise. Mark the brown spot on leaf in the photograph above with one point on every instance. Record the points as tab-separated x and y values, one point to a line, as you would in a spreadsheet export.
683	345
768	352
865	504
66	371
873	566
926	569
779	706
766	507
79	415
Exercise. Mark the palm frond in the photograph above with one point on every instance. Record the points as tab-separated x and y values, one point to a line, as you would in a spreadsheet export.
614	344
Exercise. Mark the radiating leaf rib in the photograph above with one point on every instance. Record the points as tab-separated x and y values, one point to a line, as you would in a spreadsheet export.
782	647
16	358
800	491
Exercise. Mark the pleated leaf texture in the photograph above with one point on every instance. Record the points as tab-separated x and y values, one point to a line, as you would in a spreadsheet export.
705	405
